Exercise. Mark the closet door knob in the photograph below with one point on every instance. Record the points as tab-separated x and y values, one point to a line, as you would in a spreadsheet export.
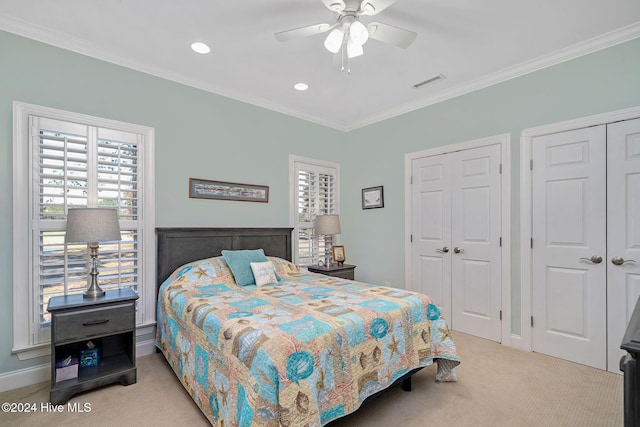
444	250
616	260
596	259
458	250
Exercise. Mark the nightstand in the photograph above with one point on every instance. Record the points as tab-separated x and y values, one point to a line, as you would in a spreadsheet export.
109	322
344	271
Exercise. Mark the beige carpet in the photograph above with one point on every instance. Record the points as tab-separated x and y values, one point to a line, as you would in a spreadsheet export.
497	386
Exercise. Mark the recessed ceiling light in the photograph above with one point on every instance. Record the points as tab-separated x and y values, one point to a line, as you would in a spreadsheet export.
301	86
200	47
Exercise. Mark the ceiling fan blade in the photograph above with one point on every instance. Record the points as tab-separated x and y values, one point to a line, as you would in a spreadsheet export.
389	34
334	5
310	30
373	7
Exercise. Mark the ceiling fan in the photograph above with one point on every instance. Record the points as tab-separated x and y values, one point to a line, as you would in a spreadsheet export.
349	34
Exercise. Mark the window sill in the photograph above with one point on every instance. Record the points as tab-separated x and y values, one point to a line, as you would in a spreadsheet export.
32	352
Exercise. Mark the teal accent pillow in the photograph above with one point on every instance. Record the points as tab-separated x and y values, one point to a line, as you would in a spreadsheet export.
240	264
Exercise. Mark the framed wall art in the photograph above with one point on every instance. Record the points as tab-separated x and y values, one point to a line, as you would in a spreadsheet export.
222	190
372	197
338	254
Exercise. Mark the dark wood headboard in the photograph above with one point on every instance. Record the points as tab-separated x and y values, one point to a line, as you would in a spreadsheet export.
179	246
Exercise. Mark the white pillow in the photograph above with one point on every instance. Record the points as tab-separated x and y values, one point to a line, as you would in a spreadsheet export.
264	273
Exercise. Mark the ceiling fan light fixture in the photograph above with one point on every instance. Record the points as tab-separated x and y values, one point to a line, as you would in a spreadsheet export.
347	36
358	33
333	42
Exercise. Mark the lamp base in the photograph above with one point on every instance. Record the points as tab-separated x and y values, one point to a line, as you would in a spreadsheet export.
94	290
93	293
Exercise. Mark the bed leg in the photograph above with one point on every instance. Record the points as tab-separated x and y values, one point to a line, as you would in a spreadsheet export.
406	384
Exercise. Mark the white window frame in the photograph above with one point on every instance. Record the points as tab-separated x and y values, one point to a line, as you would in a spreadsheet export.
294	162
23	179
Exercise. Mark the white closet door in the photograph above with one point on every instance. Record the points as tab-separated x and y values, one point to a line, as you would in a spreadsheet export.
476	258
456	202
569	234
431	229
623	224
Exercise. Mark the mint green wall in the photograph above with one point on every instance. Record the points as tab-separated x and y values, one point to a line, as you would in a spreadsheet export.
604	81
198	134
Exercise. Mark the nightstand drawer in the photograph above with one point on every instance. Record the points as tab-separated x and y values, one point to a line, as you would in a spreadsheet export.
342	271
94	322
346	274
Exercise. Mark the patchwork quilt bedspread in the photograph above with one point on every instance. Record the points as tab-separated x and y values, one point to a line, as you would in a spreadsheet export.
304	351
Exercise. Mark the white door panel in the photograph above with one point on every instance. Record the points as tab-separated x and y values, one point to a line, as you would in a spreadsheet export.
432	230
476	267
623	223
564	284
569	228
476	295
432	274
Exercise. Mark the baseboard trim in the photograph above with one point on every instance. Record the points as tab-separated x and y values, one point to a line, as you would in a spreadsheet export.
145	348
516	342
25	377
41	373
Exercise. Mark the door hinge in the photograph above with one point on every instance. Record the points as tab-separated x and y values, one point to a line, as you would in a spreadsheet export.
411	238
500	314
532	321
531	165
500	241
532	243
411	179
500	168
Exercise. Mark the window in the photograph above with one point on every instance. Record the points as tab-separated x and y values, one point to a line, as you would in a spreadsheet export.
64	160
314	191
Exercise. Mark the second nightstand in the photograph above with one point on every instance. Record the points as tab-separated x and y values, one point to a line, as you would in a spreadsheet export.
109	322
344	271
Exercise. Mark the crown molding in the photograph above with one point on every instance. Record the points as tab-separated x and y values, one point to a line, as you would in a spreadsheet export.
586	47
58	39
73	44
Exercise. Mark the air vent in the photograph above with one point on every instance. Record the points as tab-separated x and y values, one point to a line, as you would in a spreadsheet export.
431	80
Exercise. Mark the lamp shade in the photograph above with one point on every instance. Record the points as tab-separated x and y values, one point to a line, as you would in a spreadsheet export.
358	33
327	224
333	42
89	225
354	50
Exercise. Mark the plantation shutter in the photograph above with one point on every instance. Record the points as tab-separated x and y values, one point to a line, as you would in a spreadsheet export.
80	166
316	195
117	178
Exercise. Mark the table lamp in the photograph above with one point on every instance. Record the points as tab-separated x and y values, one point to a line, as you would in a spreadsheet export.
91	226
327	225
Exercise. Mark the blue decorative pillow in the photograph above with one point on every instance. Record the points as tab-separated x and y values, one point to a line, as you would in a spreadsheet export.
240	264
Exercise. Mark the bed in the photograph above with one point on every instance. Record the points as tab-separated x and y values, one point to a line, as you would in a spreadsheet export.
302	350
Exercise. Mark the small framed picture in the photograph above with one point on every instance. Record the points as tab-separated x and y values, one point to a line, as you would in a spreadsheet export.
338	254
372	197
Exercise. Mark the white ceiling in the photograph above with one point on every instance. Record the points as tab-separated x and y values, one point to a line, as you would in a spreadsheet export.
474	43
